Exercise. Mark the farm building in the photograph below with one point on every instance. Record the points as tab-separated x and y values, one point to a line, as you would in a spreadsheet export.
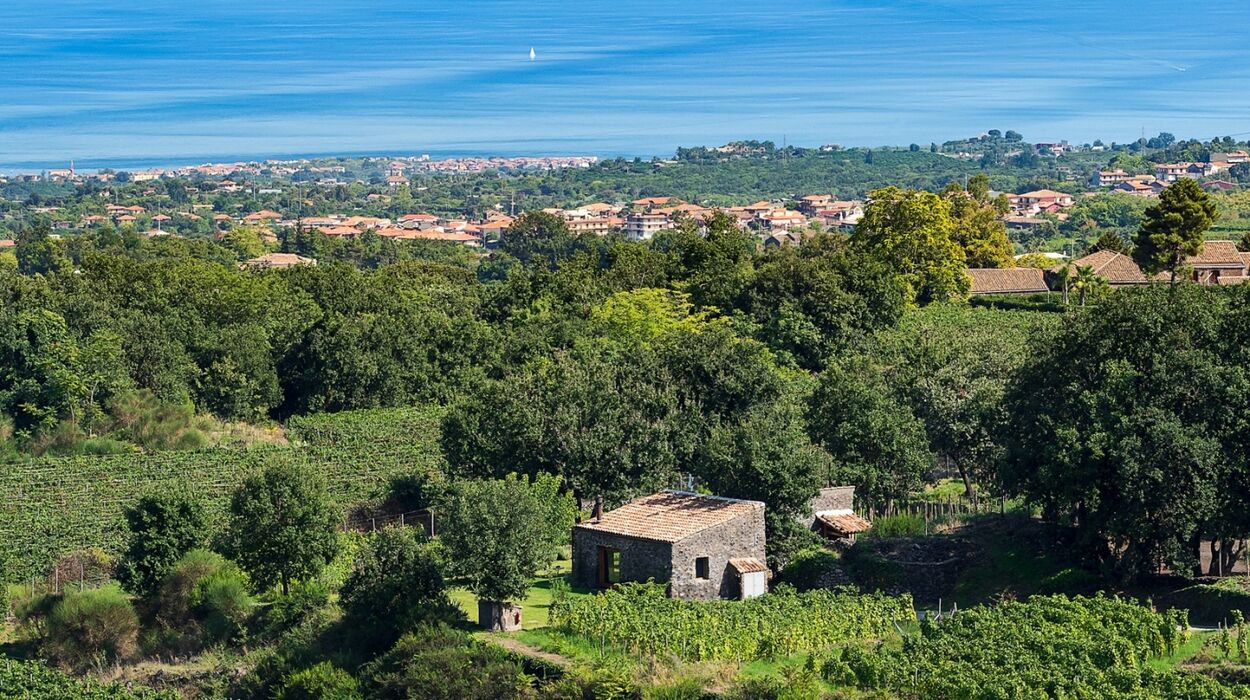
704	547
832	514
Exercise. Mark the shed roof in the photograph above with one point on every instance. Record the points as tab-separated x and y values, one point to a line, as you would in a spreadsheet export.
747	566
844	524
671	516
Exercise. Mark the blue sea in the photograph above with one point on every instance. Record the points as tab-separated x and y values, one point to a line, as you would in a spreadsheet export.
121	83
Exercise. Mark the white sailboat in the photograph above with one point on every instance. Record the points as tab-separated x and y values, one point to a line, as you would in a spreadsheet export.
532	54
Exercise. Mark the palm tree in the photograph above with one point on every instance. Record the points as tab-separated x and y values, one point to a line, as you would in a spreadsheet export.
1086	281
1063	275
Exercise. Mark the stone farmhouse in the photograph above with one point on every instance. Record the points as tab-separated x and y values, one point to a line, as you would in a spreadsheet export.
703	547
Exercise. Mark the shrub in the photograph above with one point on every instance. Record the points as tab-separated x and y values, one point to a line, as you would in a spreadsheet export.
32	612
321	682
92	628
223	605
163	527
430	663
395	585
204	599
809	569
288	611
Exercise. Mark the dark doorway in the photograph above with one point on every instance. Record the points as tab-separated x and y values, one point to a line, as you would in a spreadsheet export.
609	567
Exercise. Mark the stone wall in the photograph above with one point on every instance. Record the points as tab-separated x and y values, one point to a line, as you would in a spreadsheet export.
830	498
740	538
640	559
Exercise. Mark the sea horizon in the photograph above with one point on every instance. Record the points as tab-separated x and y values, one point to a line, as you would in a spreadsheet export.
109	85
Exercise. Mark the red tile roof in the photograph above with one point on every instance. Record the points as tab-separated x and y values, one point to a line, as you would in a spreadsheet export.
1217	253
844	524
671	516
1007	280
747	566
1114	267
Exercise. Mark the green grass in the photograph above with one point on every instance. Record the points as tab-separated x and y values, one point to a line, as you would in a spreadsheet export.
942	490
533	608
1187	651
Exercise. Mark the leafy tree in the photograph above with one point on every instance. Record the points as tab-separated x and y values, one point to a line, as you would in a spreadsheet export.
40	369
538	236
875	441
1172	229
498	534
912	232
977	226
163	527
604	418
395	585
818	300
765	455
38	253
282	526
1103	431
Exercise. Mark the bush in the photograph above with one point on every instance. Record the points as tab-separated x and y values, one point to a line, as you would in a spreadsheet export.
289	611
809	569
321	682
203	600
223	605
395	585
32	612
163	527
431	664
92	628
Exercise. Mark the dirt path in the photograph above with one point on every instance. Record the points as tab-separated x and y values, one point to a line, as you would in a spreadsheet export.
518	647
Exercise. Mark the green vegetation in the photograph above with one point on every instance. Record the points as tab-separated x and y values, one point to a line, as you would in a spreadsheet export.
1048	647
58	505
33	680
640	618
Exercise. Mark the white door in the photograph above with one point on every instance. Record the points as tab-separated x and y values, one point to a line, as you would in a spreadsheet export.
754	584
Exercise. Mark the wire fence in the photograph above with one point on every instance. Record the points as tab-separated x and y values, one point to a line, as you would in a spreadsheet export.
372	523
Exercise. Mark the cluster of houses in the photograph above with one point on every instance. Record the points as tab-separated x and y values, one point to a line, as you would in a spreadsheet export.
1166	173
1219	263
779	224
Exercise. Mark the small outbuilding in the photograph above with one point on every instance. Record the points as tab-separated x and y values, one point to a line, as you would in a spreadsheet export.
832	514
703	547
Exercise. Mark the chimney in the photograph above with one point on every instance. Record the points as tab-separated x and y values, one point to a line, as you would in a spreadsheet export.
596	515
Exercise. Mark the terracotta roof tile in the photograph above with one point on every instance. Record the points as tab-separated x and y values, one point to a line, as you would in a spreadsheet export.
844	523
1007	280
671	516
1217	254
747	566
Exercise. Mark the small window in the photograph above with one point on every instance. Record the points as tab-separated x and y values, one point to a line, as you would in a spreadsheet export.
701	568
